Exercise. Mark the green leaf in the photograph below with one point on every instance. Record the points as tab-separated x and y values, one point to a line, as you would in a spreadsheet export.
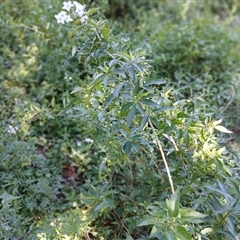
107	101
126	106
182	234
131	115
76	89
149	102
191	215
139	67
117	90
222	129
7	197
182	115
74	50
143	122
154	82
170	235
105	33
131	72
173	204
92	11
127	147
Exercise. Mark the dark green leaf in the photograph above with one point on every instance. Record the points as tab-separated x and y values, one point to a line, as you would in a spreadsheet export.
117	90
107	101
127	147
182	115
143	122
131	115
131	72
148	102
126	106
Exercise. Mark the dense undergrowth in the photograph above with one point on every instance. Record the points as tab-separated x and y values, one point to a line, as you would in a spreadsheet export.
111	129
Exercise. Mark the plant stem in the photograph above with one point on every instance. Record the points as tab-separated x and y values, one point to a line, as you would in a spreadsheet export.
163	156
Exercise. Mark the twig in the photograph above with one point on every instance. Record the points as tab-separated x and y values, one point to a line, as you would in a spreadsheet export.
156	166
123	225
163	155
230	101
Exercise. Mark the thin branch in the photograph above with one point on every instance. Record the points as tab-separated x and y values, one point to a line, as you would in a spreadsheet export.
163	156
229	102
124	226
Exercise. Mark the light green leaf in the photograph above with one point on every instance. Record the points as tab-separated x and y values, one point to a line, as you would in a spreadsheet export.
105	33
170	235
76	89
222	129
173	204
191	215
74	50
217	122
182	115
92	11
182	234
206	231
154	82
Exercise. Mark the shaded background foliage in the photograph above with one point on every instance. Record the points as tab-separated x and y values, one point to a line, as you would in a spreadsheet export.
47	166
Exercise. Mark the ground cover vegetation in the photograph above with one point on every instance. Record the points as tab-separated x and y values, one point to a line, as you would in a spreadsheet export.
119	120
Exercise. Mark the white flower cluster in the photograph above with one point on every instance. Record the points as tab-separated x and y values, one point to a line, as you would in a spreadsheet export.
78	12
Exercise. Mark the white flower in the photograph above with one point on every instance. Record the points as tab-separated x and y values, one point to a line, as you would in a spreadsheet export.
12	129
80	9
84	19
74	204
88	140
67	5
62	17
68	19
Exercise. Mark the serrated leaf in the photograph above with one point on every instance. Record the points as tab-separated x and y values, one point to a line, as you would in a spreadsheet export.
222	129
131	115
173	204
182	234
154	82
